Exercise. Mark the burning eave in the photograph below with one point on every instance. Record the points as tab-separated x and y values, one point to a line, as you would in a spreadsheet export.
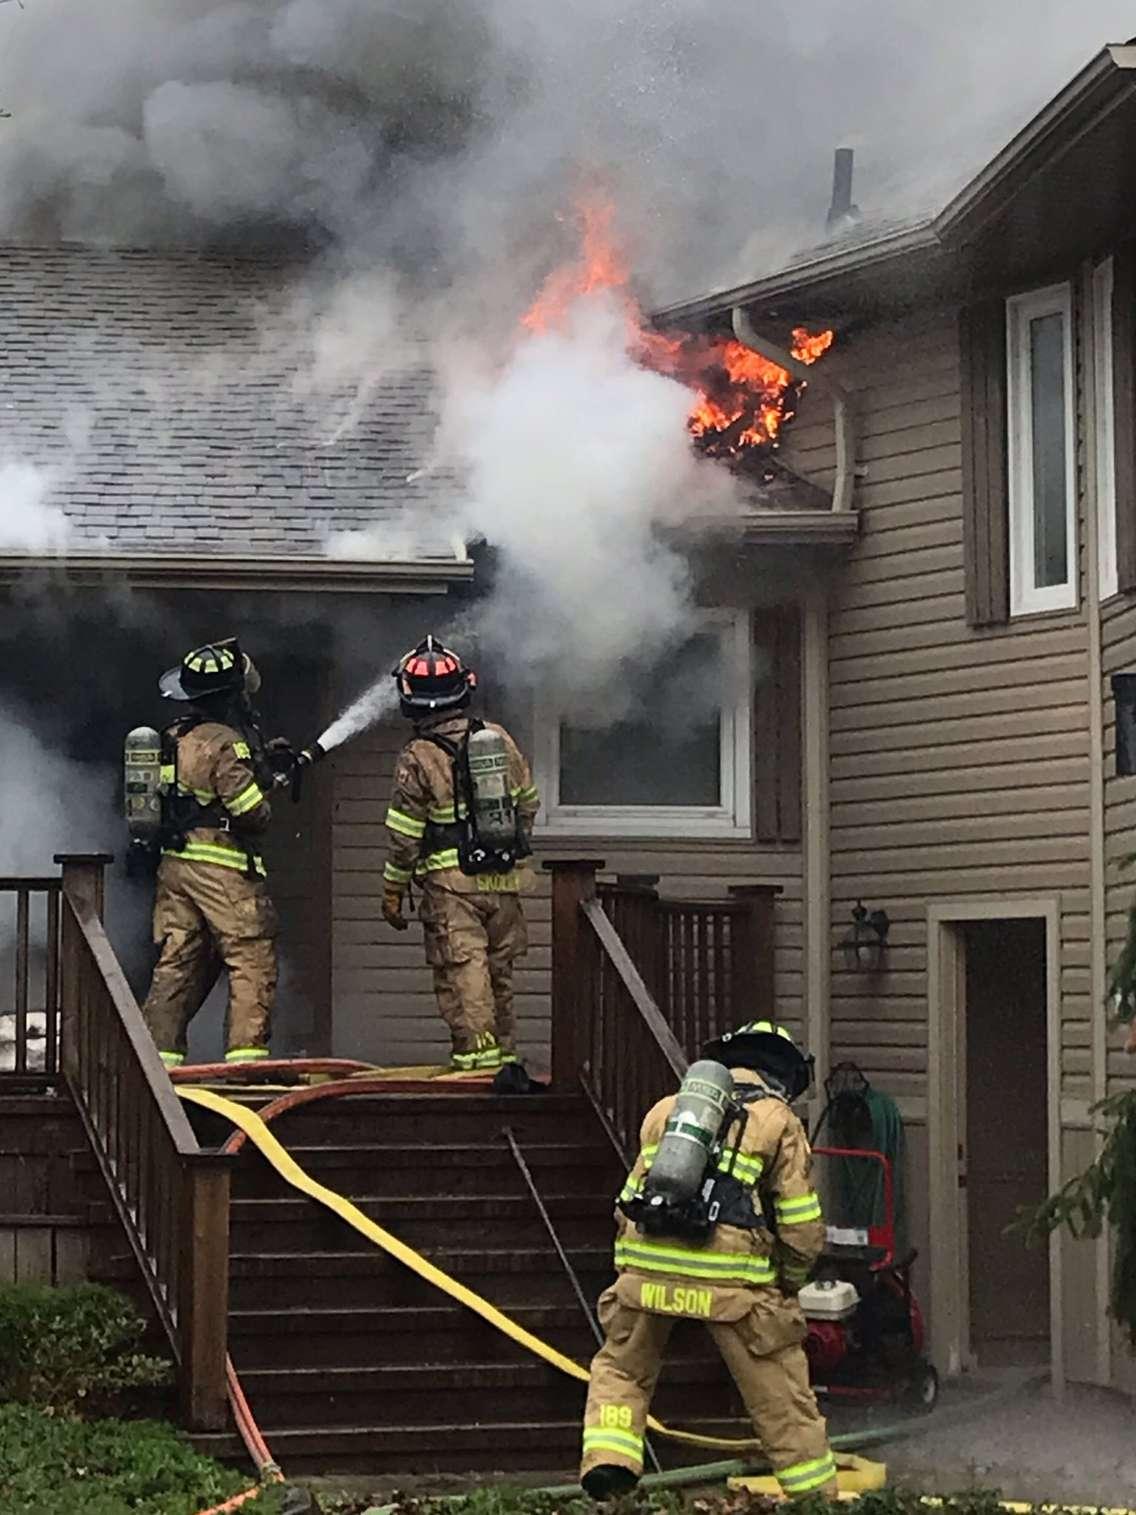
426	576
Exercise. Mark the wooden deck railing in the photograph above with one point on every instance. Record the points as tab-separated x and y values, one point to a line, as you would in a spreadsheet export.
171	1197
639	984
29	1045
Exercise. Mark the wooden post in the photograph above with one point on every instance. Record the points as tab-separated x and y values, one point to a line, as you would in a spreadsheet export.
84	876
203	1290
573	882
752	965
83	881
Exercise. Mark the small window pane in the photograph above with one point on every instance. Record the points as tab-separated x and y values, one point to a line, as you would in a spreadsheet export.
1047	396
670	757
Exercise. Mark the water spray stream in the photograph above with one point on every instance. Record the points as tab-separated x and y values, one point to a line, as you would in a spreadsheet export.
372	706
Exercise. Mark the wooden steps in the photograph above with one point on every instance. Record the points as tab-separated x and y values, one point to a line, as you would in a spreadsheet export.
351	1363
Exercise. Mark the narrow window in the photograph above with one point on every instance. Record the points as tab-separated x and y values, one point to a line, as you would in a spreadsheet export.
1041	445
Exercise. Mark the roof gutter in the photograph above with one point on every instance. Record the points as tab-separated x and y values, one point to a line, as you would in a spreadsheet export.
842	484
182	571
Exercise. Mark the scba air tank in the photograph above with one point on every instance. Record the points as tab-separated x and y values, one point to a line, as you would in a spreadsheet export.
492	801
702	1106
142	791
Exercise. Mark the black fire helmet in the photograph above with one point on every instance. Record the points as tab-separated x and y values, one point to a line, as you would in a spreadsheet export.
432	678
766	1048
216	668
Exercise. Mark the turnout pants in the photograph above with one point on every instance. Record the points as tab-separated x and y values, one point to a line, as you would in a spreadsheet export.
207	917
768	1367
472	940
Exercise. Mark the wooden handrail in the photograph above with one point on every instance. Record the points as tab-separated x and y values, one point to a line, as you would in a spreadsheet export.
170	1109
632	980
33	985
171	1197
640	984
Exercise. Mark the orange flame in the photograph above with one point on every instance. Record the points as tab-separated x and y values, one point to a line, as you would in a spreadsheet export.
741	400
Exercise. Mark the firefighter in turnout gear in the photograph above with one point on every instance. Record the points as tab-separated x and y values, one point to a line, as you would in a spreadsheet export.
211	908
460	819
733	1255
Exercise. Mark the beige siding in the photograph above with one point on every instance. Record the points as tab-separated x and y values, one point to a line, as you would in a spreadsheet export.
959	764
384	1007
1118	629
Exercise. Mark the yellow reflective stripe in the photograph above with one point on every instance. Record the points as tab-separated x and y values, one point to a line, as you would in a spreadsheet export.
393	874
436	862
442	814
803	1477
210	852
625	1443
528	792
489	1057
172	1059
631	1188
242	749
248	799
795	1212
744	1165
405	825
166	773
245	1054
651	1257
647	1153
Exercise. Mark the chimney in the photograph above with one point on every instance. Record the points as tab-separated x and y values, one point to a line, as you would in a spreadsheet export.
842	214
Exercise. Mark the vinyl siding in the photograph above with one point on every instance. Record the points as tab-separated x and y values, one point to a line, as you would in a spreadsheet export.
384	1004
1118	655
959	759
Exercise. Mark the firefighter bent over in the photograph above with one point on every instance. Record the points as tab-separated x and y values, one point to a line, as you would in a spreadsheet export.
211	908
718	1222
460	820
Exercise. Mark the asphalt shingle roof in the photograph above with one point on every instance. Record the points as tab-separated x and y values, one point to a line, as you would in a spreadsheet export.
145	383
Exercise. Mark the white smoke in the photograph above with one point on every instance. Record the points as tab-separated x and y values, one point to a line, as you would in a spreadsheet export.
27	522
50	805
371	707
577	460
445	137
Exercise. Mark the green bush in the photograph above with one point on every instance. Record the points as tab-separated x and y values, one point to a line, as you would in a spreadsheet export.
73	1350
50	1466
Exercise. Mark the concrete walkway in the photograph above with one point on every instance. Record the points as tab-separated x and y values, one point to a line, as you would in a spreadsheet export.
1029	1445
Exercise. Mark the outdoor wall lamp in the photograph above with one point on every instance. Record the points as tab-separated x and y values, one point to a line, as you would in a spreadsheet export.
1124	694
866	943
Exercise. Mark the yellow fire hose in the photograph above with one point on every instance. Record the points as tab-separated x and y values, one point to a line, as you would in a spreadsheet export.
277	1155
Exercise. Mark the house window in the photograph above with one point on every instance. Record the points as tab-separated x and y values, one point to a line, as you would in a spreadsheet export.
1039	349
1107	569
678	766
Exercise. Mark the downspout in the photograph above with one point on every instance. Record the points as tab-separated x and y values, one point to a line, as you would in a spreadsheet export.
845	426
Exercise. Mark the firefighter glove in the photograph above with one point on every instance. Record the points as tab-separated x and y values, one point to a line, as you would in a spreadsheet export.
392	907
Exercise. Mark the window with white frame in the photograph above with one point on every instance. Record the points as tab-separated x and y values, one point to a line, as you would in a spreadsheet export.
1042	462
676	764
1108	575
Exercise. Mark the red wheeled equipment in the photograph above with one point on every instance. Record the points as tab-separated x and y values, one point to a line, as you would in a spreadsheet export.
865	1328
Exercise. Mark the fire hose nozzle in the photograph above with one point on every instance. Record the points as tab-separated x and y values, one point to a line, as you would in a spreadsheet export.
310	755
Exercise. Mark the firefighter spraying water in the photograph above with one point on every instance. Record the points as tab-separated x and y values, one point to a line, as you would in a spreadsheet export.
197	805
